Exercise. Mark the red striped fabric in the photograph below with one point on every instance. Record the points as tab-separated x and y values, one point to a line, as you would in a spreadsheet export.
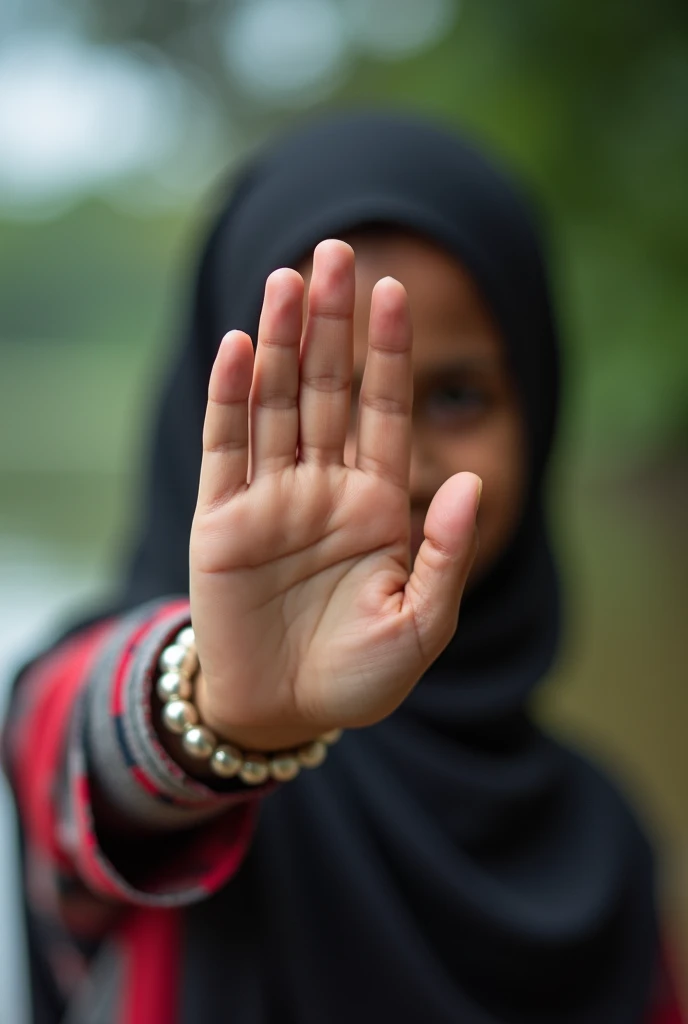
151	941
40	737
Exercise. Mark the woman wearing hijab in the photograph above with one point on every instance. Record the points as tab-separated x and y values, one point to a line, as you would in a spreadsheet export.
198	845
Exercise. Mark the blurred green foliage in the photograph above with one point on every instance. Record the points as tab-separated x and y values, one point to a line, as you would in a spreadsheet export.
589	102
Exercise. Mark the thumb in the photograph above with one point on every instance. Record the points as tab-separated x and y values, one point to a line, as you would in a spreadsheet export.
443	562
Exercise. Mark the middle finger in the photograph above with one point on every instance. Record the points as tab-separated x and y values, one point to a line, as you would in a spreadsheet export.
327	355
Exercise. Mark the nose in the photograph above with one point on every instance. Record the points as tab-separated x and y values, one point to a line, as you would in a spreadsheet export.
423	475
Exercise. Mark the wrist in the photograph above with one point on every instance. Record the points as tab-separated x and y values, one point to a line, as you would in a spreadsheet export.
206	740
263	738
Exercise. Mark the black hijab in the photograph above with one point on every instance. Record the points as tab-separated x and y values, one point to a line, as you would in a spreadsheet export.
450	864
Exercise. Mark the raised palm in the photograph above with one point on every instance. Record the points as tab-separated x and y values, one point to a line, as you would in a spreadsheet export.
305	614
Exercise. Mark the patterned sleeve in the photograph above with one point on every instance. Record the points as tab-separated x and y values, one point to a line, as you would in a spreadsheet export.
81	716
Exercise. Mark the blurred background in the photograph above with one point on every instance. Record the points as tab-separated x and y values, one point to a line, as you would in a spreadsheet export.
117	120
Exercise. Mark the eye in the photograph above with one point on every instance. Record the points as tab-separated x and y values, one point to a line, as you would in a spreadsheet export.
455	401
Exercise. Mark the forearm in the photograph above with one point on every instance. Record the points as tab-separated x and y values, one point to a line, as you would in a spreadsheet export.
139	783
92	780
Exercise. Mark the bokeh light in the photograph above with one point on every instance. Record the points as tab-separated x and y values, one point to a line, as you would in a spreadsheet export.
73	116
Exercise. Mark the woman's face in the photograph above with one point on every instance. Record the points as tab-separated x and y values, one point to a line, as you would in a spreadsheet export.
466	413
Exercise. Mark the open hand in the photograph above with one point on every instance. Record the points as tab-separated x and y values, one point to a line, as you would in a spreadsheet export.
306	612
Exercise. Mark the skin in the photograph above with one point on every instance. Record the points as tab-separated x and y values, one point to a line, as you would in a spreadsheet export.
466	412
309	611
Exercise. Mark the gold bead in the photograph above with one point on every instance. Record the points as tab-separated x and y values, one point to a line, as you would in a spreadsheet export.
312	755
255	769
198	741
186	637
333	736
226	761
178	714
176	658
172	686
284	767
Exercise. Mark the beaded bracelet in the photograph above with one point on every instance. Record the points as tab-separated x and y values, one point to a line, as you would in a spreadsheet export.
178	665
